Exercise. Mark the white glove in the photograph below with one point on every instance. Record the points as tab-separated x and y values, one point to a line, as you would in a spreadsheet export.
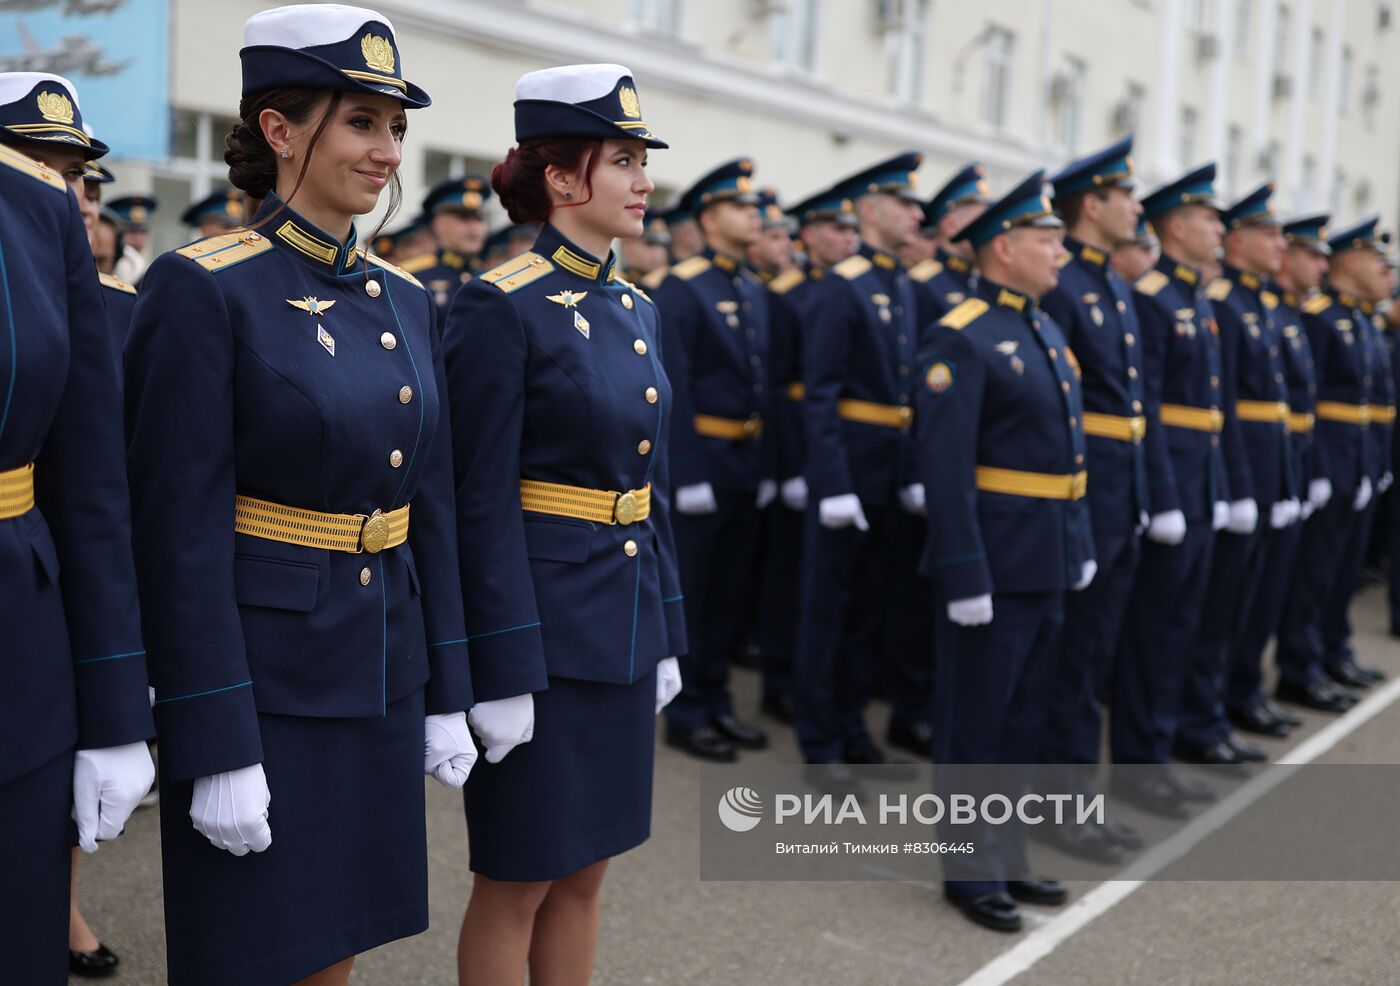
1220	516
504	723
972	612
911	498
1306	510
1143	523
795	493
230	809
1363	494
668	682
1283	513
836	512
448	750
1169	527
1244	517
107	785
1319	492
698	498
767	493
1386	481
1086	575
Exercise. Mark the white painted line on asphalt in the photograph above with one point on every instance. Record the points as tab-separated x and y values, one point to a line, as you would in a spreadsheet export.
1045	939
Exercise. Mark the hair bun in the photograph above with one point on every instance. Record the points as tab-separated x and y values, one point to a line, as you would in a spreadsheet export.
252	167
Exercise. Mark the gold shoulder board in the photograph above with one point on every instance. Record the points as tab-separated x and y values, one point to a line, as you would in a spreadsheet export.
1219	289
634	289
1064	260
422	262
925	270
221	252
115	283
852	267
653	280
963	316
517	272
1269	299
692	267
33	168
786	281
1317	304
1151	282
396	271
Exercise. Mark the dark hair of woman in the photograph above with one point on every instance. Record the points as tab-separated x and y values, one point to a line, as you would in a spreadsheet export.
252	165
519	179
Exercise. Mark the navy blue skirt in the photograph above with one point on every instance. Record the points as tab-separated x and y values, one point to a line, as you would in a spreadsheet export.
347	869
35	823
577	793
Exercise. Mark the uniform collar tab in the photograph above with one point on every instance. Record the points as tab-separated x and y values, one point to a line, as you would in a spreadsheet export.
953	261
554	245
305	238
1085	252
879	258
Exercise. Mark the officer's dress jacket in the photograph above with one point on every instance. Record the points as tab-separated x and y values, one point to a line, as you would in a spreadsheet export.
1342	352
786	294
120	299
941	283
281	364
1300	374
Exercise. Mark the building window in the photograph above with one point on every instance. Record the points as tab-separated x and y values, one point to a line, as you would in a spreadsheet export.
1127	114
1371	95
1234	151
998	57
1315	50
1344	82
1067	98
1189	119
795	35
1243	25
1281	26
1306	182
657	15
906	42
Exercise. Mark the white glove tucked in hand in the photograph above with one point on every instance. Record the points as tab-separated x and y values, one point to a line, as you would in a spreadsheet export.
107	785
795	493
1244	517
1086	575
1306	510
230	809
1168	527
1387	480
1363	494
767	493
1220	516
973	612
698	498
911	498
504	723
668	682
1319	492
845	510
448	750
1283	513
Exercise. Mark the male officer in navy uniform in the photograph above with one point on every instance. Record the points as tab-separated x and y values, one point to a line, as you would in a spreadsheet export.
944	280
1260	470
1133	259
454	208
218	212
1094	308
1001	451
826	224
771	253
858	372
134	213
1346	456
646	254
714	320
1187	491
686	240
119	295
1303	269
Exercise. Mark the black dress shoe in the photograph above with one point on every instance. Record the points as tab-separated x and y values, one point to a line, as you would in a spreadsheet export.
743	736
1218	756
1347	673
1247	752
995	910
100	962
1257	719
1156	796
1188	788
914	737
863	752
1082	840
1125	835
1048	893
703	742
1281	714
833	778
779	707
1318	695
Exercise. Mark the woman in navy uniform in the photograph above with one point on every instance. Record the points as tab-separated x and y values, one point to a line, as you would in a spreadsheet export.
284	413
561	411
75	674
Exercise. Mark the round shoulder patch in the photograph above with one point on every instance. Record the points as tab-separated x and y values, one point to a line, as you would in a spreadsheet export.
939	378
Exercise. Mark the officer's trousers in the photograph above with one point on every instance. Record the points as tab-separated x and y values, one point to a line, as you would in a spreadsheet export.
716	554
1300	642
781	597
1234	577
907	674
1336	625
1161	624
35	854
846	585
1084	676
991	699
1244	685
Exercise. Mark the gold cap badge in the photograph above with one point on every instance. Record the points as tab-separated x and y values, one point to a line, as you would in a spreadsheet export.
56	107
378	52
631	108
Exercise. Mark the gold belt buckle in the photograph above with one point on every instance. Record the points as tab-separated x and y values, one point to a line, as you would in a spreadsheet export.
906	417
751	426
625	510
375	533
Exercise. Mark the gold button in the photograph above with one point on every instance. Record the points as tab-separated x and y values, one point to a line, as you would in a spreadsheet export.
652	395
1214	381
643	447
630	549
1215	439
1132	373
1137	407
388	341
396	458
1129	339
372	288
1064	385
365	575
1122	307
1073	421
627	301
1054	354
639	347
1079	459
405	394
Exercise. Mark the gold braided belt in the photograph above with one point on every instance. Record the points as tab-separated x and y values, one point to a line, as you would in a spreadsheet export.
1041	485
354	533
1301	423
16	491
1117	427
1267	412
1347	414
870	413
1193	418
581	503
733	429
